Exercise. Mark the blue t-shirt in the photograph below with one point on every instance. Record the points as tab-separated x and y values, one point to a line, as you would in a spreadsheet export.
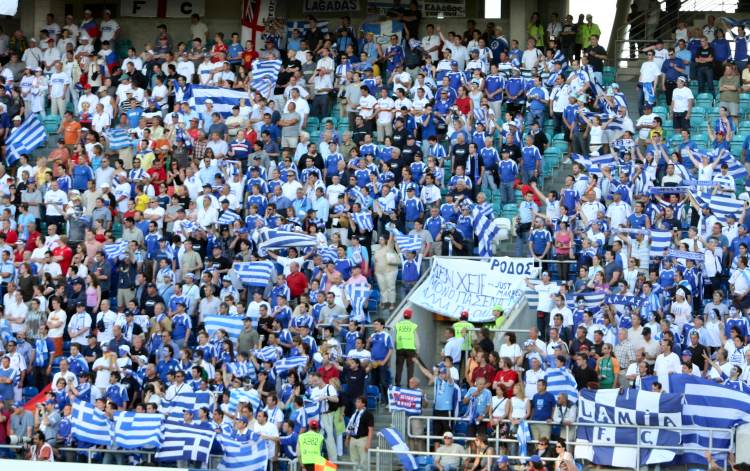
542	405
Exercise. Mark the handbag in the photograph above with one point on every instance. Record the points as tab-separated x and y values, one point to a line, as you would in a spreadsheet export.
392	258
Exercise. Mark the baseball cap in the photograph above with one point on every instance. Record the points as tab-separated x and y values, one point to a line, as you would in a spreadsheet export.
535	459
407	313
464	315
502	460
682	78
448	435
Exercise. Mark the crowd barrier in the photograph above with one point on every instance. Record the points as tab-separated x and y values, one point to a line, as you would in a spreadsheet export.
568	435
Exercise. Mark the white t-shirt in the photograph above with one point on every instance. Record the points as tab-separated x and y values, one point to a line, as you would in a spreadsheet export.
665	364
367	105
681	99
57	82
385	117
102	376
650	70
55	201
78	322
109	28
530	58
645	119
60	316
545	296
270	430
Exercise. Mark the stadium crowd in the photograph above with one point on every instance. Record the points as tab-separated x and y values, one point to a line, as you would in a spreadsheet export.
360	141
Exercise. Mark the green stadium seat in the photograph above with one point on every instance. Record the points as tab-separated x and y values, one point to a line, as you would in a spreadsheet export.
51	123
699	111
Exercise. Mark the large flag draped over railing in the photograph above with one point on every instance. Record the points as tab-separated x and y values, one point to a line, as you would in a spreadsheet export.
223	98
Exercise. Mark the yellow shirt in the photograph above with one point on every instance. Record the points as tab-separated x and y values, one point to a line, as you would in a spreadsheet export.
147	160
141	202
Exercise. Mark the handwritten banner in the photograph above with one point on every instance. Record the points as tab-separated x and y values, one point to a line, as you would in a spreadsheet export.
619	299
454	286
407	400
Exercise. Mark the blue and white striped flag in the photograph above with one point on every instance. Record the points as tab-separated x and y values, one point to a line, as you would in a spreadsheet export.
561	380
398	445
185	442
363	220
660	240
265	73
486	231
328	254
250	396
407	243
118	138
735	167
27	137
228	217
232	325
224	98
358	295
138	430
723	205
592	300
707	404
189	401
243	455
115	250
356	194
273	239
254	273
90	425
303	26
290	363
269	353
312	410
404	399
605	407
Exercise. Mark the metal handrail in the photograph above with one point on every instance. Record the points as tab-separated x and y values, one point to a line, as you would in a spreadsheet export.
497	439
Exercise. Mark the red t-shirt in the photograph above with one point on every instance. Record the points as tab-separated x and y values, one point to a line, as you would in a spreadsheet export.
297	283
31	243
11	237
487	372
326	374
509	375
67	256
464	105
159	175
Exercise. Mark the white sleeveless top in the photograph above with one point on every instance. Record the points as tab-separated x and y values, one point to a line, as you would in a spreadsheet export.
517	408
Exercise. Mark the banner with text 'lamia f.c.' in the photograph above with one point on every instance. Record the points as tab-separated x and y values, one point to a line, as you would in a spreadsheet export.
457	285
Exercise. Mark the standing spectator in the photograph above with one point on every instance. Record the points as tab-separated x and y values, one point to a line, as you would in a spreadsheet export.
729	92
704	67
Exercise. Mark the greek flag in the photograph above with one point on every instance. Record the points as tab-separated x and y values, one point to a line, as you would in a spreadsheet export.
615	125
90	425
137	430
736	169
269	353
184	442
398	445
561	380
228	217
592	300
660	241
265	73
606	407
224	98
723	205
328	254
27	137
707	404
312	410
363	220
486	231
302	26
232	325
243	455
358	295
118	138
290	363
189	401
384	29
407	243
524	437
115	250
250	396
254	273
407	400
356	194
274	239
734	23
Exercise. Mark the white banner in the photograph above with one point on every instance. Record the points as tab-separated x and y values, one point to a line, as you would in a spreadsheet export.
162	8
330	6
8	7
457	285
